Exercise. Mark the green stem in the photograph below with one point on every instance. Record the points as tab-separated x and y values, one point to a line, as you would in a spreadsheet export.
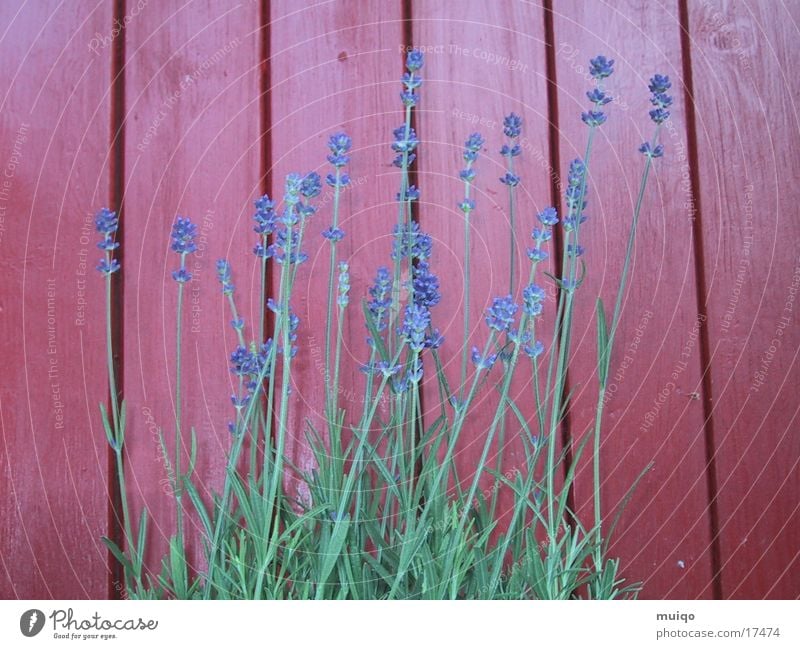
605	359
288	277
467	288
401	224
513	241
337	361
458	424
112	383
127	519
119	434
262	303
563	328
490	436
178	437
331	399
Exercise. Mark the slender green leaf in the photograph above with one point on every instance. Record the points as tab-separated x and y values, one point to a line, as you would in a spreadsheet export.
602	344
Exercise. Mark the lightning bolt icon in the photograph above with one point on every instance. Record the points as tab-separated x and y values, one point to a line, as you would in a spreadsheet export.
32	621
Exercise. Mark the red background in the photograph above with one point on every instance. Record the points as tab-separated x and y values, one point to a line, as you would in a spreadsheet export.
157	109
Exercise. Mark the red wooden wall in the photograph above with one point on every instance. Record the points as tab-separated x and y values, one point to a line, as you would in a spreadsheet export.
198	109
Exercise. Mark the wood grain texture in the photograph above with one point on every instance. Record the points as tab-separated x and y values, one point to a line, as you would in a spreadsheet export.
705	372
744	61
55	130
335	67
193	147
483	62
653	410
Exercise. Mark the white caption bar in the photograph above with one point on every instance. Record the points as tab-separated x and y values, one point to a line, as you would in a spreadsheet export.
387	625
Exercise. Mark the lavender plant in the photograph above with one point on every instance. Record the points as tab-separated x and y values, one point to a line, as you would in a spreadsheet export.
388	513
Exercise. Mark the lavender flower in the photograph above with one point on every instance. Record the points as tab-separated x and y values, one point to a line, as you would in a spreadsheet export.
409	98
381	294
414	60
107	267
548	216
533	298
311	185
411	80
598	97
593	117
411	194
512	125
481	361
651	152
240	402
260	250
434	340
600	67
106	223
537	255
183	234
575	178
181	275
294	325
343	181
224	276
500	316
659	84
344	284
241	361
472	147
415	322
401	384
381	367
535	350
249	365
661	100
510	151
291	196
405	139
571	222
467	175
264	216
414	373
510	179
339	145
410	241
404	145
516	337
467	205
659	115
426	286
333	234
285	248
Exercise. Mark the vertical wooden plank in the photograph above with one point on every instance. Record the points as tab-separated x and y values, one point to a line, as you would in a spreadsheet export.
335	67
483	62
54	174
653	411
193	147
743	57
